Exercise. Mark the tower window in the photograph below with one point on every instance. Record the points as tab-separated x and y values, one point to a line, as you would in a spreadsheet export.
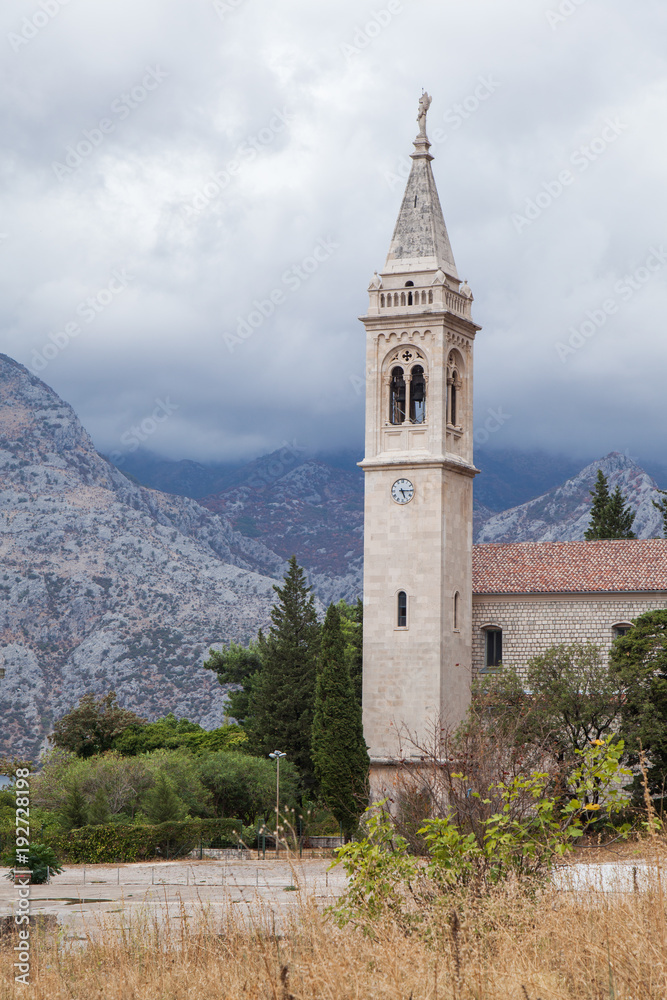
397	397
381	301
430	297
409	298
457	600
402	298
423	298
409	284
402	616
494	648
417	396
453	402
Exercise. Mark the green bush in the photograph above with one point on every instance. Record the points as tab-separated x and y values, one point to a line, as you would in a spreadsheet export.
41	859
112	843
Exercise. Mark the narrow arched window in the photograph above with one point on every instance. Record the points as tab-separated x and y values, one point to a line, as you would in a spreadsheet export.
381	301
397	397
430	297
423	298
494	648
396	298
453	400
457	599
402	298
417	396
402	616
409	298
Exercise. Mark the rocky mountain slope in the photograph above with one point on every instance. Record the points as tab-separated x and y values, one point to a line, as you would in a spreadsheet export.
310	510
104	583
563	513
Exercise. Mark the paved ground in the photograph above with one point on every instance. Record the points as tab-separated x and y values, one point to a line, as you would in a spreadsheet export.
84	897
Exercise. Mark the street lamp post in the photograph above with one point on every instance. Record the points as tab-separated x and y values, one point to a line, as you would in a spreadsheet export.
276	755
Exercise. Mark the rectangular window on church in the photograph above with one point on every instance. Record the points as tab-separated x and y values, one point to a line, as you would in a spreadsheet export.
494	648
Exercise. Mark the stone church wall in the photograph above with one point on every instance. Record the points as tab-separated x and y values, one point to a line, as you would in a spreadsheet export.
531	623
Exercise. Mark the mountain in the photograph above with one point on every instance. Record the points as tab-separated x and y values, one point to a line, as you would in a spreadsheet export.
310	510
104	583
510	477
563	513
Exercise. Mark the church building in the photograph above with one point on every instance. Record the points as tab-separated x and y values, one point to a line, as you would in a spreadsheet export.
436	608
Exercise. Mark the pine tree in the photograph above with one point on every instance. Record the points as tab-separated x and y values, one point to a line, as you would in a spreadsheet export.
618	517
162	803
74	812
611	517
340	755
600	501
99	813
282	697
661	505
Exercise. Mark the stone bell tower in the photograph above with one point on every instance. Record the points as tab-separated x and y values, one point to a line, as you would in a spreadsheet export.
418	478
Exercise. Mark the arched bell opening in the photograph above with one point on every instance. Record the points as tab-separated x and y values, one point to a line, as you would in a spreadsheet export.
417	395
397	396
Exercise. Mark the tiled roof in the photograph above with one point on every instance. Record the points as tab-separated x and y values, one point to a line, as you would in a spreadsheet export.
570	567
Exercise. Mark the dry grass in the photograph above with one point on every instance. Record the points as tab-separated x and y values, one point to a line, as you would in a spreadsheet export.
506	947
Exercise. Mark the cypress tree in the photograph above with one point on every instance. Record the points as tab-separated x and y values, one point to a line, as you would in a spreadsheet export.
611	517
600	496
352	622
282	697
618	516
340	755
661	505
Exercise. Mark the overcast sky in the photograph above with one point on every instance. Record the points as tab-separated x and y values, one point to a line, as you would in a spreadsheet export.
168	164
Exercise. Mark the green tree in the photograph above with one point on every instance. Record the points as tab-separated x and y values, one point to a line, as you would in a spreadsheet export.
340	756
352	623
162	804
639	661
600	495
99	812
619	517
93	725
610	516
237	666
74	812
245	786
282	697
568	697
171	733
661	505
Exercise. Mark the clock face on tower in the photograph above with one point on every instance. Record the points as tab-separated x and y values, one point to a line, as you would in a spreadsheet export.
402	491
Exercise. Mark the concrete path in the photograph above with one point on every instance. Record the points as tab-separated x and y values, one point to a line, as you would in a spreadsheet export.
83	898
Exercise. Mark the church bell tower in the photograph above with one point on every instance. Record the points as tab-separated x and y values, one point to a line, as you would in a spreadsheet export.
419	473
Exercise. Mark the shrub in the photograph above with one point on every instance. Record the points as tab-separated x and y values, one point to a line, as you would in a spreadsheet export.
112	843
41	860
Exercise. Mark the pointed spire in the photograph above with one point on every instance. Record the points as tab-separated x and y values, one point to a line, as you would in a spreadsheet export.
420	240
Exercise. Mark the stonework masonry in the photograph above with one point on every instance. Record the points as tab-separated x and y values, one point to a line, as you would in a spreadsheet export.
531	623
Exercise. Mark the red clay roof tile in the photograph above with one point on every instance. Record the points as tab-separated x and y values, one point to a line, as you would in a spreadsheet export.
570	567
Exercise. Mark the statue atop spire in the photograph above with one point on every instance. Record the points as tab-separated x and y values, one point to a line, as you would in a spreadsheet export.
424	105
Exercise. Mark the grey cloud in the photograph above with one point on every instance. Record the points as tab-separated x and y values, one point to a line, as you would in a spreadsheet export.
145	199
